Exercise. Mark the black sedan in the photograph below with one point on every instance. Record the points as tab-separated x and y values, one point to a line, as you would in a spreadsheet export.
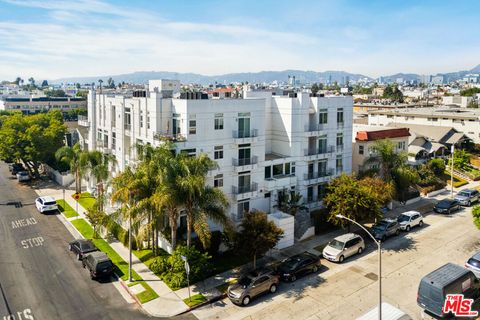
298	265
447	206
81	247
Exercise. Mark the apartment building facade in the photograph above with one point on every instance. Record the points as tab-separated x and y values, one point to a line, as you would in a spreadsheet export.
264	144
35	105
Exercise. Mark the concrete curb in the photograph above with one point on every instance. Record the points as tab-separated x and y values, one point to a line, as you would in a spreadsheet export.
210	301
134	297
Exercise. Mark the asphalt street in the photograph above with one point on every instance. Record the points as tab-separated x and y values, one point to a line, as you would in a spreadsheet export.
39	278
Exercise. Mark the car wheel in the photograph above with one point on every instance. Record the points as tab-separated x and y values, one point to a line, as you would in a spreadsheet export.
360	250
408	228
449	211
79	257
315	269
92	276
83	264
293	278
69	247
341	259
273	288
246	301
420	224
469	203
397	232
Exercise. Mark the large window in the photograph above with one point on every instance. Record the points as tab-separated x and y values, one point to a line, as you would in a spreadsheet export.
322	144
242	208
128	119
141	119
190	152
244	154
323	116
361	149
310	194
340	140
218	181
321	190
339	164
268	172
218	121
278	170
244	125
218	152
322	168
340	116
192	125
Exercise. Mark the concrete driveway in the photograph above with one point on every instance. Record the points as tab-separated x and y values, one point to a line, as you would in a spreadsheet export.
348	290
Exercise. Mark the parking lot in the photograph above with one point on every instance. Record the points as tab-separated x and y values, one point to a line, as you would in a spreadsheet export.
348	290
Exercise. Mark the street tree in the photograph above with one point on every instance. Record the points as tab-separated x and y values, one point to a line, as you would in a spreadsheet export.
257	235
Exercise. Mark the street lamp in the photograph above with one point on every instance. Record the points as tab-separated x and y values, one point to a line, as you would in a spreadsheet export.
378	242
451	183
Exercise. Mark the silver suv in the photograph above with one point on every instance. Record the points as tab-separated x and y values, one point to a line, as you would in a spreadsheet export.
251	285
343	247
385	228
467	196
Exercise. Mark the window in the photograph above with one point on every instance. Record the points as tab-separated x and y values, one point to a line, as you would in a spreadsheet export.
401	145
339	139
114	140
148	120
310	194
389	116
218	121
340	115
192	125
218	152
141	119
321	190
242	208
322	168
267	195
244	154
361	149
339	164
292	165
128	119
268	172
218	181
287	168
277	170
323	116
322	144
190	152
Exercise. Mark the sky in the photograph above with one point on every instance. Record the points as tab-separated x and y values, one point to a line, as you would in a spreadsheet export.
50	39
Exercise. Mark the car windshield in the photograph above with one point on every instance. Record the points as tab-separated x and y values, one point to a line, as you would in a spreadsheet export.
104	264
464	194
336	244
403	218
444	204
382	225
49	203
87	246
244	281
474	262
291	263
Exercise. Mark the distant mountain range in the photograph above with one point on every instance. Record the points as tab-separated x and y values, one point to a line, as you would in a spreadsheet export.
253	77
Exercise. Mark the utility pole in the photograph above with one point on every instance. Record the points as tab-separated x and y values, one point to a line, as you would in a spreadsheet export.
452	150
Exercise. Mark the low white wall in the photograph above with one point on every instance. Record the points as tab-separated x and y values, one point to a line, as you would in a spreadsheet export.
309	233
413	200
62	179
164	243
434	193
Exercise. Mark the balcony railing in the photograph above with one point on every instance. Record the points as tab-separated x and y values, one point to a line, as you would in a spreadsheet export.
164	135
316	127
127	126
314	151
244	189
340	147
320	174
245	134
244	161
340	124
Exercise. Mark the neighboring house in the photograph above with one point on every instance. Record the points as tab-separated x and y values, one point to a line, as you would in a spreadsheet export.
464	120
263	143
458	101
36	105
428	142
364	141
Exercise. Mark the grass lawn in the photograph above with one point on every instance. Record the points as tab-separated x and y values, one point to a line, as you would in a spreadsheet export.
147	256
194	300
121	266
86	200
224	286
66	209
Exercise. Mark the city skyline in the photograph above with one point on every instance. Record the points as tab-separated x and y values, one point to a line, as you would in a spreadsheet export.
54	39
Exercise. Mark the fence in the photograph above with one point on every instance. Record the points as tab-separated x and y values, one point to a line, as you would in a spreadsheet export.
63	179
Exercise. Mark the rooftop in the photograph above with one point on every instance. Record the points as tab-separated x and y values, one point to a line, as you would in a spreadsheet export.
442	111
381	133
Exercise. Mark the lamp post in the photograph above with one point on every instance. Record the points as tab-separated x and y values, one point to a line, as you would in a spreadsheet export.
379	262
451	183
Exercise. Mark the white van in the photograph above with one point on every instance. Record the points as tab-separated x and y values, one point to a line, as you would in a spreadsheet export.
389	312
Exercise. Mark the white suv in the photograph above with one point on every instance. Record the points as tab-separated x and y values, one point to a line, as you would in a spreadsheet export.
46	204
410	219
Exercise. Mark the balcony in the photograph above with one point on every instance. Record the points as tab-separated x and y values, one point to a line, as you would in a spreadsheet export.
319	151
340	125
245	189
83	121
127	127
244	161
312	127
168	136
280	182
317	175
245	136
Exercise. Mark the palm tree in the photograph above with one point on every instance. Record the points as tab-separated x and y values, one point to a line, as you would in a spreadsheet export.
98	165
191	182
78	161
386	156
290	203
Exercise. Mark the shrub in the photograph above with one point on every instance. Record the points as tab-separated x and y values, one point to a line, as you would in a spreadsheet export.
437	166
476	215
159	265
174	274
120	234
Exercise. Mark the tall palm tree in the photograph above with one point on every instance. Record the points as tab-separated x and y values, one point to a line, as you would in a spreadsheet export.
78	161
98	165
387	157
191	183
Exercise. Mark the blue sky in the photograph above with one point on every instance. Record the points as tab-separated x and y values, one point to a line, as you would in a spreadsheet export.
48	39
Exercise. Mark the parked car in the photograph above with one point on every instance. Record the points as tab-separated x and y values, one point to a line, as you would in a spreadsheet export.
23	176
467	196
291	268
15	168
98	264
473	264
81	247
385	228
410	219
45	204
343	247
389	312
447	206
448	279
253	284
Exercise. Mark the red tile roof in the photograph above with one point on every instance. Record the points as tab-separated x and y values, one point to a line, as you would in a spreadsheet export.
382	134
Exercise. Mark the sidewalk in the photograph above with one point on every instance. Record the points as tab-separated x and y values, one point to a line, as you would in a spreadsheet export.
168	303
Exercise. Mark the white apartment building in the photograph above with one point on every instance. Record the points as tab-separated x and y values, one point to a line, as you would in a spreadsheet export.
264	144
462	119
35	105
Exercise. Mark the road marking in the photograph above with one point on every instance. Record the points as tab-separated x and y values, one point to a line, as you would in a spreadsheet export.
20	315
23	222
32	242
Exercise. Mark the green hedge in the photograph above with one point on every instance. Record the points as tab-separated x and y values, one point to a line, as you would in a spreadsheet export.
120	234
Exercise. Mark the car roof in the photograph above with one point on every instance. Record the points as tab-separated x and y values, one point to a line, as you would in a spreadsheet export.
388	220
258	272
447	200
84	241
467	190
99	256
47	198
347	236
410	213
445	275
